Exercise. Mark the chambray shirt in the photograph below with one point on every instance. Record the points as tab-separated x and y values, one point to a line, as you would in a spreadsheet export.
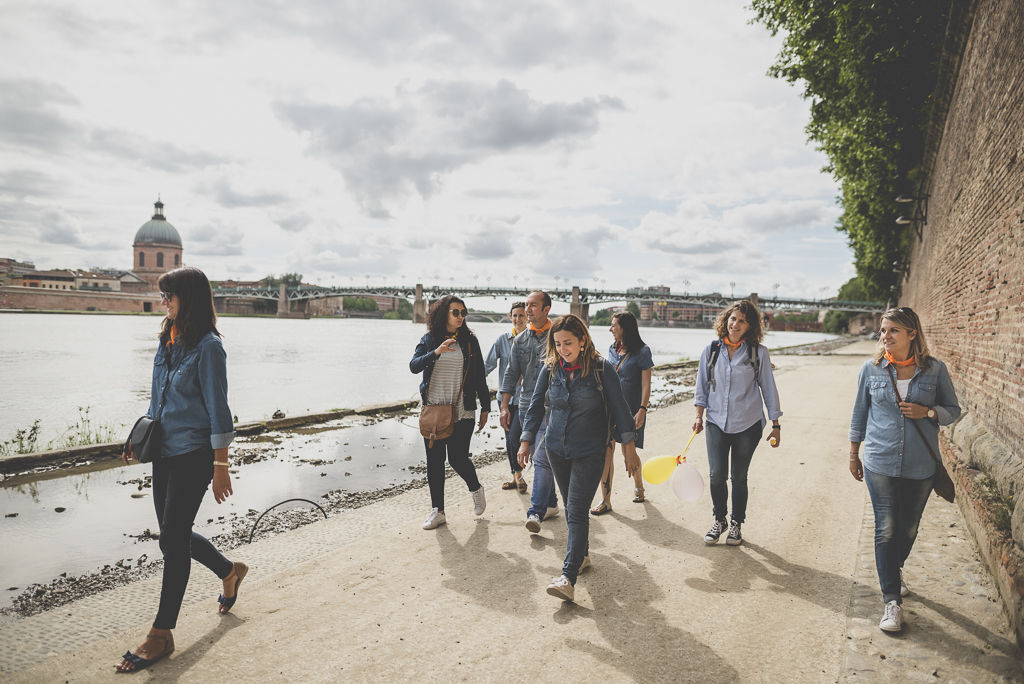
498	358
189	397
891	445
736	402
527	358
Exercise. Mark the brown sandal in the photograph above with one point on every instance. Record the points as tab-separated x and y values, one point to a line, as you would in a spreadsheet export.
522	486
511	484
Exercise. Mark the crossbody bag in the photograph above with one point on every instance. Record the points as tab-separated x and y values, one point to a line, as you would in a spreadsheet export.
941	483
437	421
145	440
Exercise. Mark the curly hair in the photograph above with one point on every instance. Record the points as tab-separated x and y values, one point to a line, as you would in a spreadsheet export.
745	307
572	324
437	319
196	315
906	318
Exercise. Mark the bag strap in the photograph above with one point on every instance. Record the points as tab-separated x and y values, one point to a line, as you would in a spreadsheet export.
465	375
716	349
163	395
892	376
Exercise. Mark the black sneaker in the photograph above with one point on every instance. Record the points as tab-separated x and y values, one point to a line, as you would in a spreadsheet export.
735	537
715	533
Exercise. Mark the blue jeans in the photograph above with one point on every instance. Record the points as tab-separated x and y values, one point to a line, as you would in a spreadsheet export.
742	444
898	503
512	438
543	495
578	480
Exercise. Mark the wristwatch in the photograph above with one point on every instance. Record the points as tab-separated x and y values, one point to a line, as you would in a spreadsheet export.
933	414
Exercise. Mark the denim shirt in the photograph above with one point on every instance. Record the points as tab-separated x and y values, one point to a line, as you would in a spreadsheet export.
578	423
891	445
193	384
529	350
735	403
498	358
423	359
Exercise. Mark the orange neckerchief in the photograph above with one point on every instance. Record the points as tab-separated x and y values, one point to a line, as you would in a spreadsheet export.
888	357
174	334
514	332
734	346
535	329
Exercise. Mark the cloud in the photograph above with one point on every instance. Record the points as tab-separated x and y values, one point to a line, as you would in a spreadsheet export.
570	248
30	116
226	196
294	223
22	183
775	215
143	151
386	149
216	239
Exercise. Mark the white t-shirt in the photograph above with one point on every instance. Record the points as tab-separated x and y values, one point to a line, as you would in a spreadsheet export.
903	386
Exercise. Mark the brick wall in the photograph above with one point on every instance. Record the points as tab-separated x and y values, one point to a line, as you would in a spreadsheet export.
966	276
53	300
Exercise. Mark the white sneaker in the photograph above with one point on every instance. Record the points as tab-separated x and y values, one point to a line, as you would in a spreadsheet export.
435	519
585	564
533	523
892	619
551	512
904	590
562	588
479	503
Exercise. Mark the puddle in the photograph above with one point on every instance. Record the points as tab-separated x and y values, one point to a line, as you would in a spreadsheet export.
108	507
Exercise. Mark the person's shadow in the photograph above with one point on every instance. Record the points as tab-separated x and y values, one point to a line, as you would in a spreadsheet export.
180	663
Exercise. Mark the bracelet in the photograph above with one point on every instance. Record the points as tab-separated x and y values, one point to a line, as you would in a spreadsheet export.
776	427
643	407
221	463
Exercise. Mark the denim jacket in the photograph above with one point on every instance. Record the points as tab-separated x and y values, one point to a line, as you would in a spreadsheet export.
498	358
892	446
194	410
476	381
578	424
525	361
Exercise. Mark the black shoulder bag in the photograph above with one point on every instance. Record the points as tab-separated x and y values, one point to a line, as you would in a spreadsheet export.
145	440
942	484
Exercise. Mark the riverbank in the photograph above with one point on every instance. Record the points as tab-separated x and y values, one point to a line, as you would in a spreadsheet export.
797	602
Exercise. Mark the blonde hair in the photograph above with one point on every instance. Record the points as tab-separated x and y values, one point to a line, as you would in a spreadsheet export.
746	307
572	324
906	318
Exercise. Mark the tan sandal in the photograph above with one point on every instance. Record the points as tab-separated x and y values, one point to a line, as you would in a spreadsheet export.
137	662
511	484
226	602
638	495
522	486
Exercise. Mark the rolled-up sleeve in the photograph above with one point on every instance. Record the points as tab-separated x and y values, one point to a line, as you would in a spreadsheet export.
769	391
213	379
700	392
623	419
535	414
947	407
861	406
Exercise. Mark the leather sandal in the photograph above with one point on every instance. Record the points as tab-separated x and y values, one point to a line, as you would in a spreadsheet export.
601	509
138	662
240	571
638	495
522	486
511	484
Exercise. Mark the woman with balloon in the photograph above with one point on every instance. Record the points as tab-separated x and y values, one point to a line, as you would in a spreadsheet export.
585	399
734	379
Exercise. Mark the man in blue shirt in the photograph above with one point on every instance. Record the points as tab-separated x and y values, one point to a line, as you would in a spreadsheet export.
498	358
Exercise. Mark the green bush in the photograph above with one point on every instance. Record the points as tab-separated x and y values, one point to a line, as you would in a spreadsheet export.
392	316
359	304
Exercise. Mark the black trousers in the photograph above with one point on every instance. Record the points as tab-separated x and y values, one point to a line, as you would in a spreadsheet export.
179	484
456	449
513	438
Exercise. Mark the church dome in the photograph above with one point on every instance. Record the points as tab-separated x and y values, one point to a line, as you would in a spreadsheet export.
158	229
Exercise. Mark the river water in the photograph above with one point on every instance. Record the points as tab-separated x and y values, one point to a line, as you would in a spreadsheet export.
52	364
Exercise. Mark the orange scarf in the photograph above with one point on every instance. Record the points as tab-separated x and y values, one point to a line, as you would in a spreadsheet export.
734	346
890	359
539	330
174	334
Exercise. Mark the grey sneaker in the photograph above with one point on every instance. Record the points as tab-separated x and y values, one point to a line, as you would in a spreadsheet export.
585	564
551	512
435	519
479	503
533	523
904	590
562	588
735	537
892	619
715	533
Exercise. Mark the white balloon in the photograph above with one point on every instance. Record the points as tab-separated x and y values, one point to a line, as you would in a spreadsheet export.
687	483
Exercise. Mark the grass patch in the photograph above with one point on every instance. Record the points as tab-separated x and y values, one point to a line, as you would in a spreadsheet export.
82	432
1001	506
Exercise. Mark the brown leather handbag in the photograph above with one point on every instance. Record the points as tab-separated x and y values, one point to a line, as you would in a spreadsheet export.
941	483
437	421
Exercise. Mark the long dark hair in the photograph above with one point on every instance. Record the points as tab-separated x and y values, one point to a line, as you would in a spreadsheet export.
631	339
437	319
196	315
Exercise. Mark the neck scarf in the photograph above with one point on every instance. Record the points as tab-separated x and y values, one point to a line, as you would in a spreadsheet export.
570	369
535	329
734	346
174	334
890	359
514	332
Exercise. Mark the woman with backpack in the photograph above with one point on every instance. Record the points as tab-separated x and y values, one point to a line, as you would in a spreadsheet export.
633	363
585	400
734	385
449	357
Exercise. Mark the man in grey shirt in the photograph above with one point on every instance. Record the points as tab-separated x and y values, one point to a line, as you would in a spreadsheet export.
525	362
499	357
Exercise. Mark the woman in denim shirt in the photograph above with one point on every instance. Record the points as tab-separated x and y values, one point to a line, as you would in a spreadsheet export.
585	400
898	465
189	402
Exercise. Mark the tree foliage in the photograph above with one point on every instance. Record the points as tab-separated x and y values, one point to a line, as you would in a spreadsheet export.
289	279
869	70
633	308
359	304
852	291
601	317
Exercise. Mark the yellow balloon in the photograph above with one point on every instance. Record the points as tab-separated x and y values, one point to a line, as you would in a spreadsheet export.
659	469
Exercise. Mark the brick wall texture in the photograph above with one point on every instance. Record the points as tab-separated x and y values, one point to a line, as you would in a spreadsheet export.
966	277
52	300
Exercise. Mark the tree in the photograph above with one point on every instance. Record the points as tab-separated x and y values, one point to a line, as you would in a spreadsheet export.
836	322
289	279
391	316
869	70
602	317
404	310
633	308
359	304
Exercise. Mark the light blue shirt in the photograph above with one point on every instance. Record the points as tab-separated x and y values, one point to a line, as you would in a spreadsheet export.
736	402
891	445
498	358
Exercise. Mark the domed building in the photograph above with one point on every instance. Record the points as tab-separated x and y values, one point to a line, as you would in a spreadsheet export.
157	247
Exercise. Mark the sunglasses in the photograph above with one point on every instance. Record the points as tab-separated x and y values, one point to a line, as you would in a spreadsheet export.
165	296
461	313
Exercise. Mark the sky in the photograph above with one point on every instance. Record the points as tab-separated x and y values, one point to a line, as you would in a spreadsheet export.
599	142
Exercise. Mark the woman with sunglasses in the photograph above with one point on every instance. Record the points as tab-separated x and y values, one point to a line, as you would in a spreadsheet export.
900	386
449	357
189	401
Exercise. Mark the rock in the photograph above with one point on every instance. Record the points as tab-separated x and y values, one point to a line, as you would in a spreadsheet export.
278	414
60	509
11	515
138	495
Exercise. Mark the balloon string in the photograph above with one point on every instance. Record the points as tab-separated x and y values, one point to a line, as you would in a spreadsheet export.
681	458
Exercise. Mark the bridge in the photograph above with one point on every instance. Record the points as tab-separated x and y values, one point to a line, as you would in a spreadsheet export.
291	301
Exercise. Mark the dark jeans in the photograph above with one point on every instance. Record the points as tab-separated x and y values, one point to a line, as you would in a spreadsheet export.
742	445
577	480
456	449
898	503
512	438
179	484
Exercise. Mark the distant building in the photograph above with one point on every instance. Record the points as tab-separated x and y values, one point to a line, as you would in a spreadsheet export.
88	281
653	307
14	267
49	280
157	248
